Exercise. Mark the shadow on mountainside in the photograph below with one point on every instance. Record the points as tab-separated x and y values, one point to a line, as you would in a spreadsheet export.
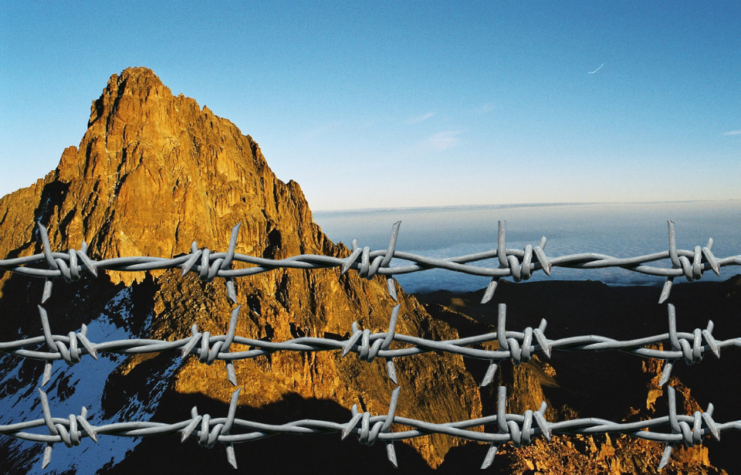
608	384
605	384
322	453
69	307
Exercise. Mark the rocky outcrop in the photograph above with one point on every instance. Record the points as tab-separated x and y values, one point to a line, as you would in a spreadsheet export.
153	173
609	385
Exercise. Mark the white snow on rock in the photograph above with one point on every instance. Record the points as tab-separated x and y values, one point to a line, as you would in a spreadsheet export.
84	384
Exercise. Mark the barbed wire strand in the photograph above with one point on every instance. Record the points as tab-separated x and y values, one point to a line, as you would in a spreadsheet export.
512	345
515	263
518	429
518	347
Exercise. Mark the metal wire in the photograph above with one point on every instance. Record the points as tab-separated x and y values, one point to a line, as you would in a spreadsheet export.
515	263
519	347
516	346
518	429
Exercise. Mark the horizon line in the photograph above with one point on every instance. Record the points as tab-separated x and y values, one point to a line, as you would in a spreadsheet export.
507	205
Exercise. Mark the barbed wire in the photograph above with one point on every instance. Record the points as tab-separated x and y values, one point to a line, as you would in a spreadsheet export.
518	429
515	263
518	347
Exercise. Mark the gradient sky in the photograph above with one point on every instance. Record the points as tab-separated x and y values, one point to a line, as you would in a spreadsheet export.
402	104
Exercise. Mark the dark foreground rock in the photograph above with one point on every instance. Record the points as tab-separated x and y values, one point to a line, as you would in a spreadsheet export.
155	172
611	384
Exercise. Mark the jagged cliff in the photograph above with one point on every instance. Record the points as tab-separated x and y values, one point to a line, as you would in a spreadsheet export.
155	172
609	385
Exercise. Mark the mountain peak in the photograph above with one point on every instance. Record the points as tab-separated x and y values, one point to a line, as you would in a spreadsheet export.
136	76
155	171
138	72
137	82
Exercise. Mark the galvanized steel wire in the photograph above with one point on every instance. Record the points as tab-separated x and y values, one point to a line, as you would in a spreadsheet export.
518	429
516	346
519	347
515	263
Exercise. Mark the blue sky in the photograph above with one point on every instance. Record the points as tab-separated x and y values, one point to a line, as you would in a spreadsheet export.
402	104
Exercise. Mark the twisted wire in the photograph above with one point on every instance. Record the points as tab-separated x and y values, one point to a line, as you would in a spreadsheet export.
515	263
518	429
518	347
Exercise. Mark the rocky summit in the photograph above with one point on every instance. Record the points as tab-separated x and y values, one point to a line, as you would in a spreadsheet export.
155	172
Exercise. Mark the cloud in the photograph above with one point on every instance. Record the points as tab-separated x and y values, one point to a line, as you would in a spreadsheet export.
421	118
600	67
733	132
442	140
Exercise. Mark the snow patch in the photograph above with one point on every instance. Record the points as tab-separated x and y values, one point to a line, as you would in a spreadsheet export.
72	387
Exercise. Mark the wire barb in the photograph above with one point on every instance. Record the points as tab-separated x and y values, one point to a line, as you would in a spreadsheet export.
516	346
519	347
518	429
515	263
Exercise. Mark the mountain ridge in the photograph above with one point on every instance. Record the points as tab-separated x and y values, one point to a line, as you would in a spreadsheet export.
152	173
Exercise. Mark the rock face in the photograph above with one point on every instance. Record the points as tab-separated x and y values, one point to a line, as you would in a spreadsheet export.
609	385
155	172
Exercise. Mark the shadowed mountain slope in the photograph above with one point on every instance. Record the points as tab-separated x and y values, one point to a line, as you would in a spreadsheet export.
153	173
